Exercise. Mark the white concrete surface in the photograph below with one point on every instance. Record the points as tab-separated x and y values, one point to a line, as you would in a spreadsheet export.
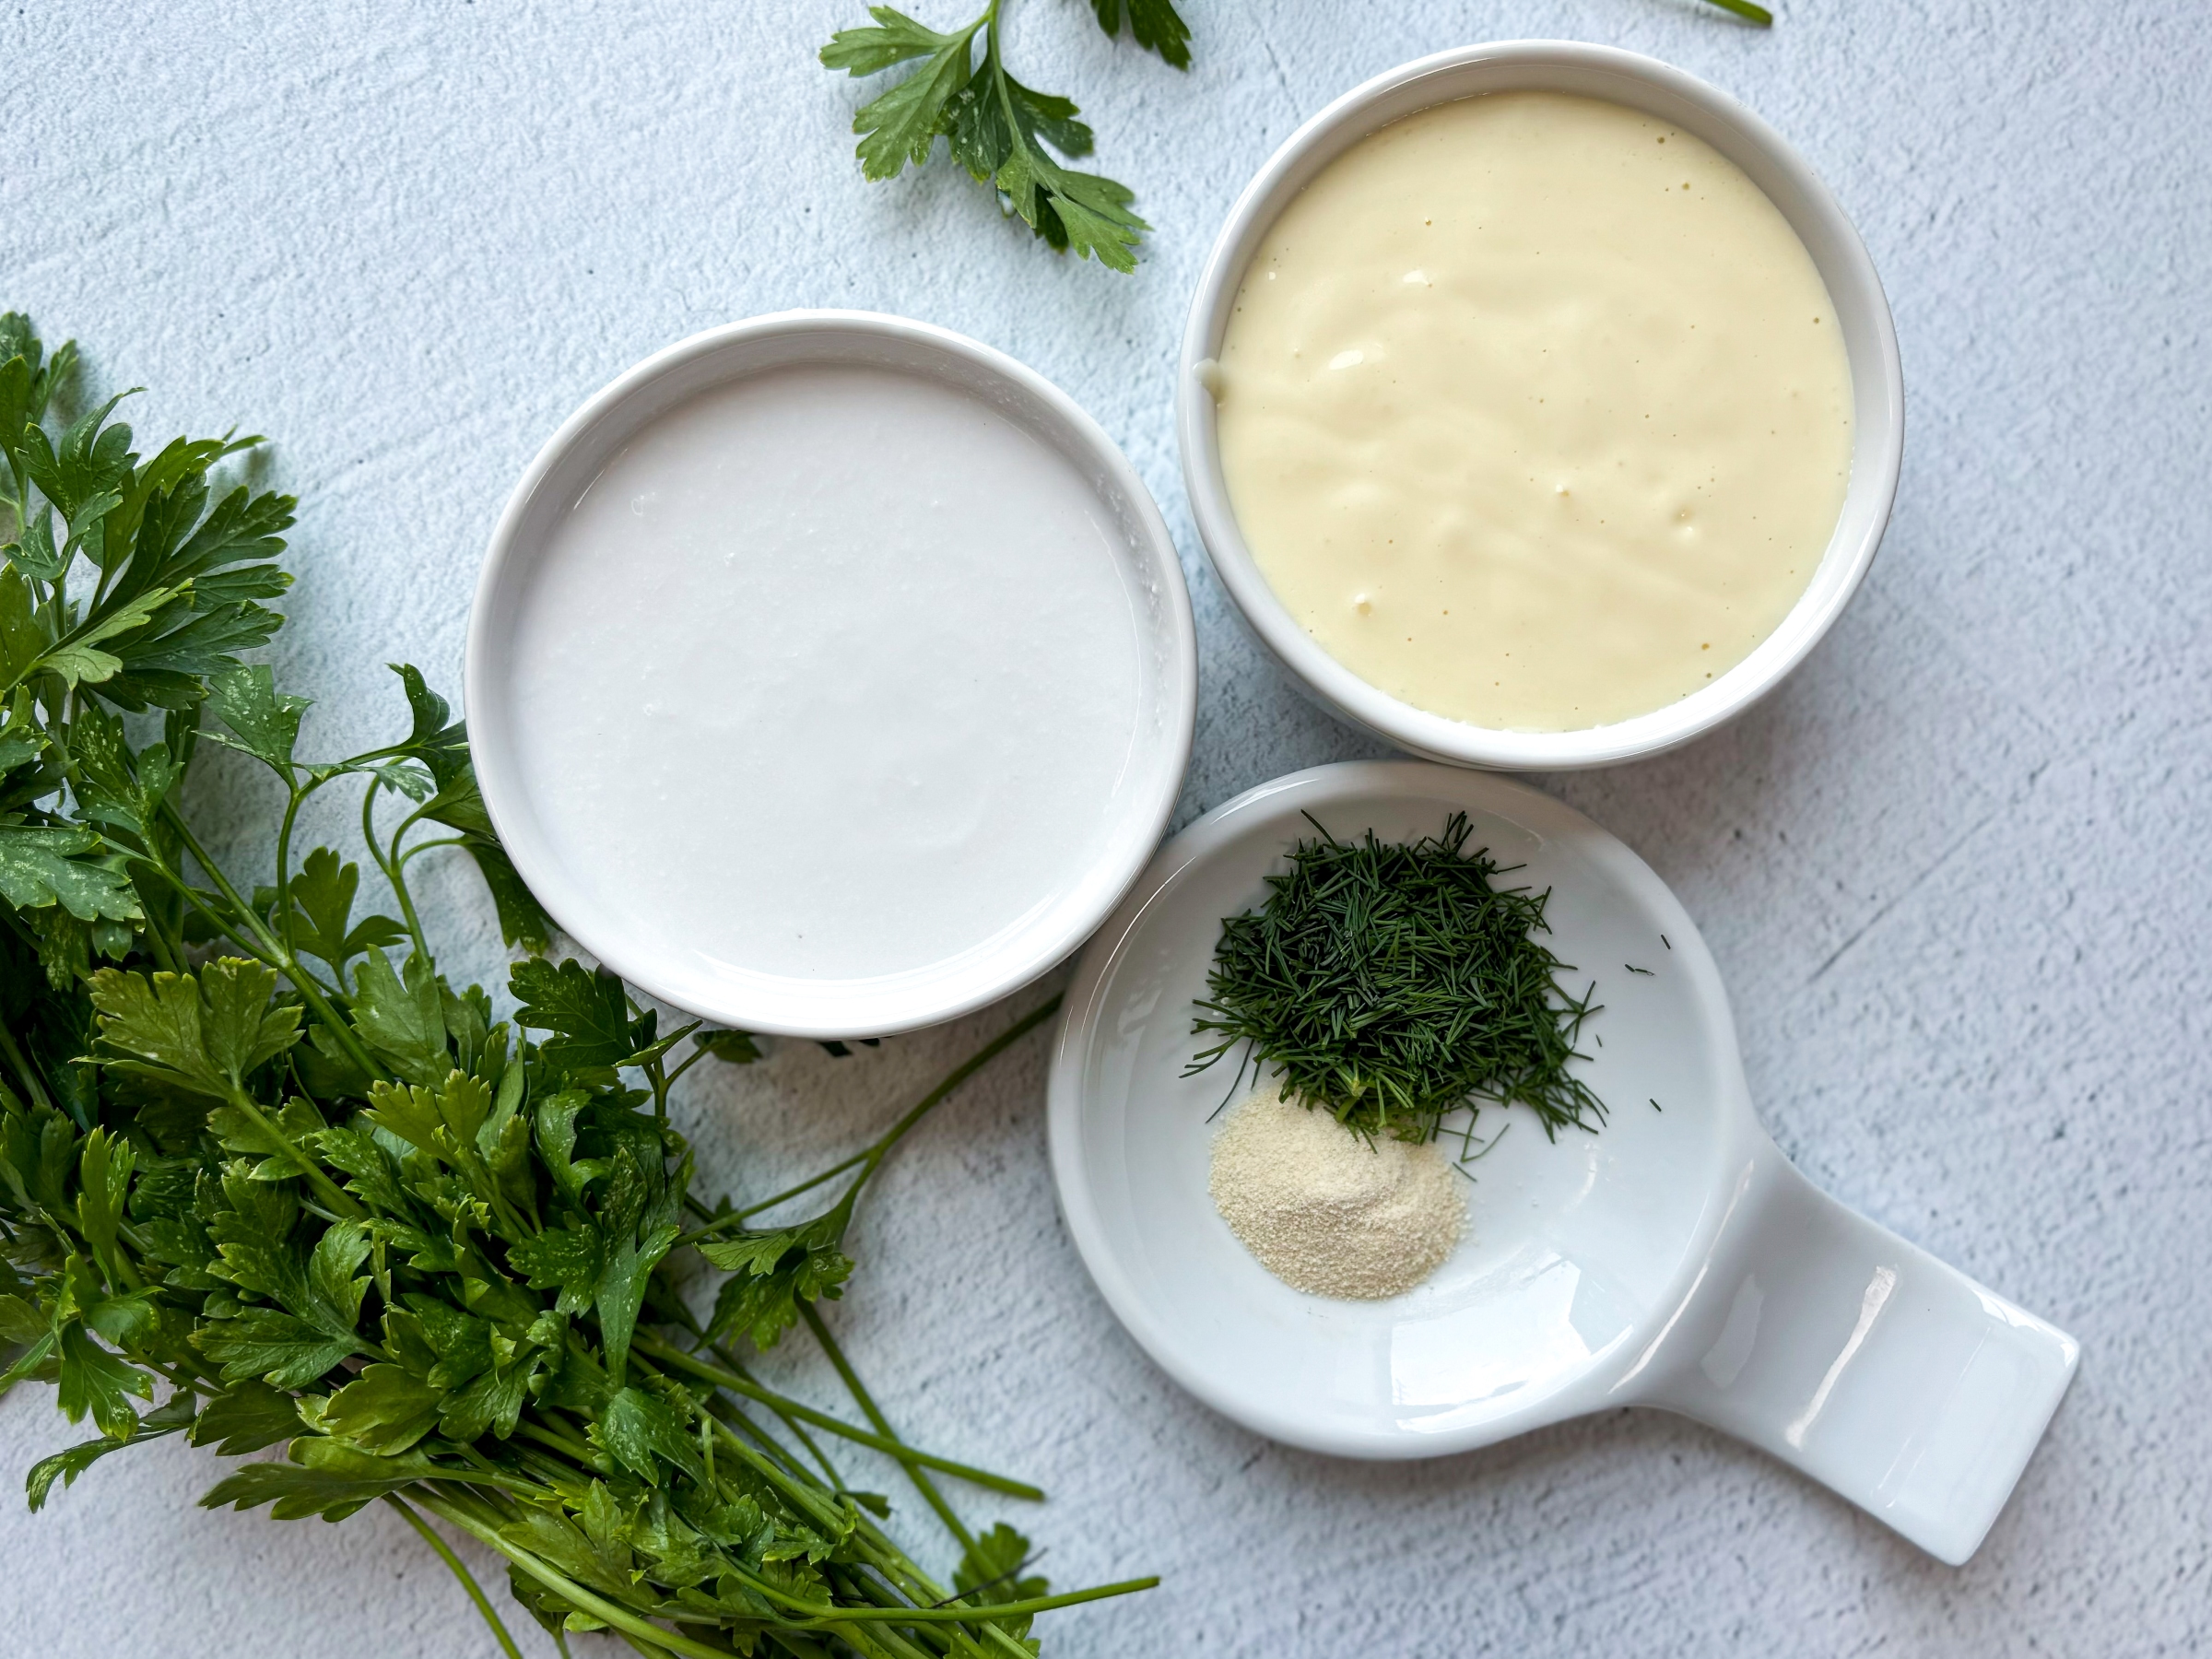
1955	871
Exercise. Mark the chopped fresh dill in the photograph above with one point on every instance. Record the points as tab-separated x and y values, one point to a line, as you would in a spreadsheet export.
1633	968
1393	984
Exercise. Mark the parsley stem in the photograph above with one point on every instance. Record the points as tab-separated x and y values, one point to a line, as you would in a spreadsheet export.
798	1429
284	863
883	1440
847	1586
460	1571
959	1074
180	1379
217	919
698	1053
732	1217
877	1592
167	950
33	1085
325	1188
800	1488
567	1445
575	1594
827	1617
816	1615
875	1154
391	867
723	1406
915	1471
429	846
901	1574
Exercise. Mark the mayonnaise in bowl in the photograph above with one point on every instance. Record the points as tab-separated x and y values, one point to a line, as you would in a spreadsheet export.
1522	422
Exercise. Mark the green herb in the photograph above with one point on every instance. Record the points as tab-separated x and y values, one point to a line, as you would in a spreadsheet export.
1391	984
268	1169
997	128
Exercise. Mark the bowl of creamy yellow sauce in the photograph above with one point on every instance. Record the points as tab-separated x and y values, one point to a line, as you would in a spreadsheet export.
1539	407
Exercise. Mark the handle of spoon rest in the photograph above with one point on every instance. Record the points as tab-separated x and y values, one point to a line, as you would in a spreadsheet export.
1860	1360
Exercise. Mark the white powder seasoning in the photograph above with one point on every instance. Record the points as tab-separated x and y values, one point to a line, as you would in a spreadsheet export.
1327	1212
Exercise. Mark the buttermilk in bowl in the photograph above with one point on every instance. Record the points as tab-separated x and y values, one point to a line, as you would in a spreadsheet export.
1534	412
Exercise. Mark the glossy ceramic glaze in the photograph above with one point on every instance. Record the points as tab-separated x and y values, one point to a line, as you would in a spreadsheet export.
1675	1259
843	707
1877	414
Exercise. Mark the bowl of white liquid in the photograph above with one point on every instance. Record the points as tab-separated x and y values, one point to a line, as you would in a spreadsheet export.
831	675
1539	408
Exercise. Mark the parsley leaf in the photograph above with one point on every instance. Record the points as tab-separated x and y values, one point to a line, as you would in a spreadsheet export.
245	1418
323	899
384	1410
68	1464
324	1478
1153	24
901	125
72	867
522	921
177	599
733	1048
284	1351
587	1013
199	1035
638	1427
772	1273
93	1380
401	1017
267	725
996	127
566	1260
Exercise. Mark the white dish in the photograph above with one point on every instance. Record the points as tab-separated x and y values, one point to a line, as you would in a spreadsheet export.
1642	83
1673	1259
829	675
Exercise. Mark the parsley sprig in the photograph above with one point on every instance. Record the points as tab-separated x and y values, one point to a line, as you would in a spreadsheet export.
267	1177
997	128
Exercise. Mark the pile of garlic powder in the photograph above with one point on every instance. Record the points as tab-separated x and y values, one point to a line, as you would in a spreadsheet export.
1327	1212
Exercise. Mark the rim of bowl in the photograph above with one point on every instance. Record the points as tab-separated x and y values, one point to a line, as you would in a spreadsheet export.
1863	310
901	1005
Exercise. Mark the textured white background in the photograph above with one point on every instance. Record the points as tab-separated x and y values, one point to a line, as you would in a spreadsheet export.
1955	871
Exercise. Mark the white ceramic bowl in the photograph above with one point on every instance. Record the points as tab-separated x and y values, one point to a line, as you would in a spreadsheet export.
1642	83
1674	1259
701	976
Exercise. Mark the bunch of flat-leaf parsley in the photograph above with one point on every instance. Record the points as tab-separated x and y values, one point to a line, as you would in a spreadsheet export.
267	1177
